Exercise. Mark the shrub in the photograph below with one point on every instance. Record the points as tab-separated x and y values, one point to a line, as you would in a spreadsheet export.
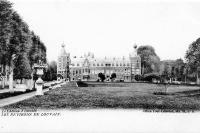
139	77
149	77
81	84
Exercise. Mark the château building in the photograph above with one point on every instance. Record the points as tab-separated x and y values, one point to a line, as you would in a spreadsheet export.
88	67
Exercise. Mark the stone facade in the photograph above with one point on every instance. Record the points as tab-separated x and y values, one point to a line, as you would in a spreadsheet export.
88	67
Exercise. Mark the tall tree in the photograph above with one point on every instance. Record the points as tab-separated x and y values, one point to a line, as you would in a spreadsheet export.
167	71
5	30
51	72
149	60
177	69
23	70
17	43
37	50
193	58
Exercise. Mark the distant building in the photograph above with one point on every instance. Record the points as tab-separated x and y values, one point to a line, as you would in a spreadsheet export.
63	64
88	67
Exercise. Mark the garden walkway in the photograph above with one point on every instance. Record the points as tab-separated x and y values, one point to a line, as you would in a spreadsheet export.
14	99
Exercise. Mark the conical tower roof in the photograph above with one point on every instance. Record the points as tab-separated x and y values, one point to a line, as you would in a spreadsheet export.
63	52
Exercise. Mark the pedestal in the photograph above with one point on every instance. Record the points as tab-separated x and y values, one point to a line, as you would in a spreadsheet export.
39	84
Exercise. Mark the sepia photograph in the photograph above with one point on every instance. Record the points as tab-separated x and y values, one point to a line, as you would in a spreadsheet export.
99	66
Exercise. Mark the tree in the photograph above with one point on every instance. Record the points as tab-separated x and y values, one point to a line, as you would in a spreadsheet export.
138	77
23	70
51	73
149	60
53	69
113	76
151	76
101	76
20	43
17	44
37	50
166	74
5	32
14	37
177	70
193	58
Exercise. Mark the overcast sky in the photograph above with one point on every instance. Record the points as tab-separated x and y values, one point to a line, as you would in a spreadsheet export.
110	28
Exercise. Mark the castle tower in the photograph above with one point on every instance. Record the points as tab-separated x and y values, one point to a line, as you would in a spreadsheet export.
63	62
135	62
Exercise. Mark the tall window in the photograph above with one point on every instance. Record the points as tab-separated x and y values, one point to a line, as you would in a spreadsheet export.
137	63
80	71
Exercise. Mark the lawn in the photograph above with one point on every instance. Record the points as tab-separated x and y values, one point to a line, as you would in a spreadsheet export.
130	96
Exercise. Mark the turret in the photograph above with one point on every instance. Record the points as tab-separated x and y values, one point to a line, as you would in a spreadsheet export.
134	52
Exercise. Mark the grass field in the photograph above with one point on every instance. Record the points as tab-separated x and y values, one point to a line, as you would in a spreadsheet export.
132	96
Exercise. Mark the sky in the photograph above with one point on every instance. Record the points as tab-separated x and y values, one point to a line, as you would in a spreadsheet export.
111	27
